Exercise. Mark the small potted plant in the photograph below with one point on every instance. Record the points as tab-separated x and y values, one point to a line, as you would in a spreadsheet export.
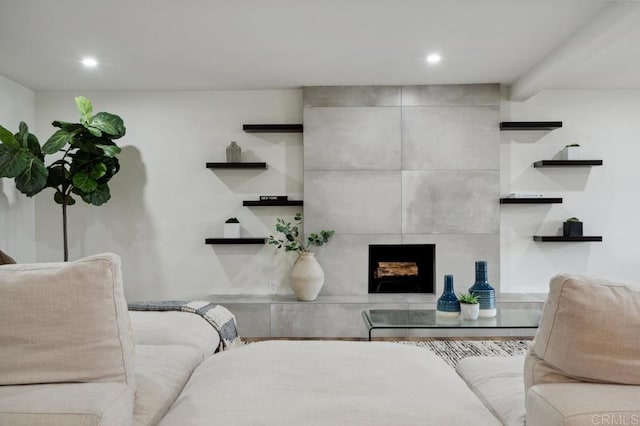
571	152
572	227
469	306
232	228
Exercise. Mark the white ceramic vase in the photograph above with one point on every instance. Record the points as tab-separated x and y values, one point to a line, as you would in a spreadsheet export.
470	311
307	277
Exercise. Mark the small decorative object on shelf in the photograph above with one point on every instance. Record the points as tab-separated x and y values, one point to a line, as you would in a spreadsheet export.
571	152
572	227
274	197
307	276
448	304
469	306
232	228
233	153
483	291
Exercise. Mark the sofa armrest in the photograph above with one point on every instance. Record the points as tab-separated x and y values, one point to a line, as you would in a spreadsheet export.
554	404
174	328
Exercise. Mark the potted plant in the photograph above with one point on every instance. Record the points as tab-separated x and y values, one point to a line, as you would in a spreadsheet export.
232	228
307	276
84	159
572	227
469	306
571	152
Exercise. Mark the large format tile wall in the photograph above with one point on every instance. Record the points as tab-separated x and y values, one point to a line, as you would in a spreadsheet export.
410	164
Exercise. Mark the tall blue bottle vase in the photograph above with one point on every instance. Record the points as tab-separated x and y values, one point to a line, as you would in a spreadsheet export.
448	304
483	290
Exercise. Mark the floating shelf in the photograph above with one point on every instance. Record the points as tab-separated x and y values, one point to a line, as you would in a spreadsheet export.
531	200
560	239
530	125
567	163
272	128
234	241
236	165
267	203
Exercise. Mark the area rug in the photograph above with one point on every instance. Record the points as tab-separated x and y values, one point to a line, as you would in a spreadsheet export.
453	351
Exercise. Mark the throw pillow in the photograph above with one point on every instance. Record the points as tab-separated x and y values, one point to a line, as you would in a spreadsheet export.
588	332
65	322
5	259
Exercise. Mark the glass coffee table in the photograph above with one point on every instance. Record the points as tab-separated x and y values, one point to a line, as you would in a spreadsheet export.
426	319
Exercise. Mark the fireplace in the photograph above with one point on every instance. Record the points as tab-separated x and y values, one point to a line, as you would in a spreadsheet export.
402	268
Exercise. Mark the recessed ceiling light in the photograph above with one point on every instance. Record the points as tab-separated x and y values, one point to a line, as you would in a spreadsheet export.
89	62
434	58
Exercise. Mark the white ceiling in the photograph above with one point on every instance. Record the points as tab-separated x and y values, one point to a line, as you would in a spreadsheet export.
261	44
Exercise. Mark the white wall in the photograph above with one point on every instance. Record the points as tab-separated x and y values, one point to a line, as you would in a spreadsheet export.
165	202
606	123
17	212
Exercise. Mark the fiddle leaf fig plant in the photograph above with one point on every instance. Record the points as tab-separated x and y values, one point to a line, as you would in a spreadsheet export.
290	239
84	159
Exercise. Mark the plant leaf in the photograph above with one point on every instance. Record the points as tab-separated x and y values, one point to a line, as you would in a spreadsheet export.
110	150
98	197
23	134
85	108
13	162
84	182
69	127
110	124
33	179
95	131
58	198
57	175
98	170
34	146
56	141
7	138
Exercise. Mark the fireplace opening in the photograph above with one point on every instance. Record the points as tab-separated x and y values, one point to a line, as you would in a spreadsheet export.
402	268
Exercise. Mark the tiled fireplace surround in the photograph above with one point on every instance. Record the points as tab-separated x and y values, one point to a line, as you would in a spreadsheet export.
391	165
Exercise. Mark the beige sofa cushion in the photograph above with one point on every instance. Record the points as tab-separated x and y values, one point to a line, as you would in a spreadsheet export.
174	328
65	322
589	331
329	383
577	404
66	404
497	381
161	373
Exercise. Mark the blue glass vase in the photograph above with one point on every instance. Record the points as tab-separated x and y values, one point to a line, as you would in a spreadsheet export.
448	304
483	290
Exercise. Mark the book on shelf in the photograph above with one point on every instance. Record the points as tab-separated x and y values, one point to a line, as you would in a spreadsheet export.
524	195
274	197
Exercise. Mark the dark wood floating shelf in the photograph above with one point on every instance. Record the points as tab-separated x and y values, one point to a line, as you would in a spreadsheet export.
531	200
234	241
560	239
567	163
530	125
266	203
236	165
272	128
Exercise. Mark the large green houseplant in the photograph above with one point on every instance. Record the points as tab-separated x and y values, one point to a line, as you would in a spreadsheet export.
84	159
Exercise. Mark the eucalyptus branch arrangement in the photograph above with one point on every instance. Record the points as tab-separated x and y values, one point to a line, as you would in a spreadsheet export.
291	240
85	159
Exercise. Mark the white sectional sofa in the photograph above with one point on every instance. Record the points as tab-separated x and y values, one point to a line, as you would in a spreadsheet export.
71	354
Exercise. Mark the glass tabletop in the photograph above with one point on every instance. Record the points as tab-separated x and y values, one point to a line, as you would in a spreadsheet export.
404	318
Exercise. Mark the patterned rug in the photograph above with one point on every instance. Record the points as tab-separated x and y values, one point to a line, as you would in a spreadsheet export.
453	351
